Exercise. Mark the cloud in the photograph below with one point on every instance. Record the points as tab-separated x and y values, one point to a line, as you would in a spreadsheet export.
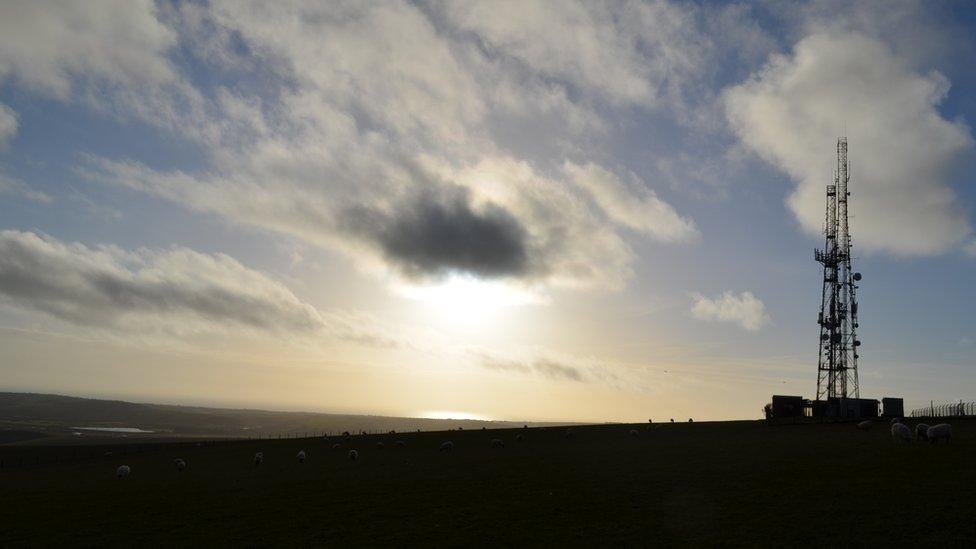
176	291
902	151
113	56
437	235
8	125
45	46
108	286
743	309
557	370
507	220
502	365
545	367
10	185
633	206
624	53
370	117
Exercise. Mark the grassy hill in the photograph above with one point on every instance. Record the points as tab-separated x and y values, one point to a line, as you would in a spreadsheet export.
701	484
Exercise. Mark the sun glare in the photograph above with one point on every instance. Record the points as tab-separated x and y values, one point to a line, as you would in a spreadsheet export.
464	298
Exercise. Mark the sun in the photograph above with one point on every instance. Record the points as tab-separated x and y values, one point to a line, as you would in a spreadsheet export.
464	298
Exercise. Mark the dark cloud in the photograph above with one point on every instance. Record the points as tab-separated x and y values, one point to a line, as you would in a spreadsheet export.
543	366
435	233
557	370
504	365
104	287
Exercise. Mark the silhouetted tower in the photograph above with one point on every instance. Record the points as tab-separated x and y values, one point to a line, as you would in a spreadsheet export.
837	368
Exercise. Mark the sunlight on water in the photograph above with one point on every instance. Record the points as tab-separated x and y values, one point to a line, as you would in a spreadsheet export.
447	414
113	429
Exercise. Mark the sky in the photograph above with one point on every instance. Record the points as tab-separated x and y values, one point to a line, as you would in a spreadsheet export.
567	211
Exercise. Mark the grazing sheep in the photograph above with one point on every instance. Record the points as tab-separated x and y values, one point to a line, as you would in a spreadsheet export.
336	446
401	444
122	472
258	459
180	464
901	432
942	431
380	446
922	431
865	425
497	443
353	455
633	433
301	456
446	446
518	438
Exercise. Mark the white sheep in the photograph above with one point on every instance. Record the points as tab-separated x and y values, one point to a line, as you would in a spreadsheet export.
922	431
942	431
901	432
301	456
633	433
122	472
497	443
446	446
353	455
865	425
258	459
401	444
180	464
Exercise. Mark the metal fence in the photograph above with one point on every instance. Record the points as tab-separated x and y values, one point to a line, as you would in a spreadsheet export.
949	409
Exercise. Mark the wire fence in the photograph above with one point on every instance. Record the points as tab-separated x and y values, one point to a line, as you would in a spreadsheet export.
949	409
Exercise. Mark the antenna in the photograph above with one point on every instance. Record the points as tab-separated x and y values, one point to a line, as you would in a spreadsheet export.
837	364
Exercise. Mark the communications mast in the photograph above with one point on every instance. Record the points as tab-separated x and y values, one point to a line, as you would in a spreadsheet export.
837	365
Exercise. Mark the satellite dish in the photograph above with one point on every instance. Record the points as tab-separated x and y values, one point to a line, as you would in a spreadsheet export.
857	277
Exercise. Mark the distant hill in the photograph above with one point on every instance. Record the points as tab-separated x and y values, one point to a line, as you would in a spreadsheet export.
57	414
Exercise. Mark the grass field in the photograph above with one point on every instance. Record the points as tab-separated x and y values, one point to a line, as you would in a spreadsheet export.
731	483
